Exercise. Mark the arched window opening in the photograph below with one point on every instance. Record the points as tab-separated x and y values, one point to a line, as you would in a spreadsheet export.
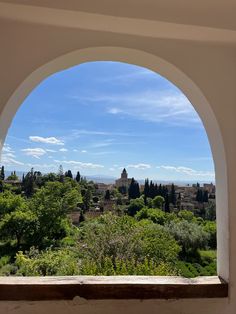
107	170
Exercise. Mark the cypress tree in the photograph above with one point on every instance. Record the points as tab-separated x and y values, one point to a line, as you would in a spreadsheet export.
133	191
2	173
167	204
60	174
107	195
78	177
146	189
173	195
152	190
205	197
69	174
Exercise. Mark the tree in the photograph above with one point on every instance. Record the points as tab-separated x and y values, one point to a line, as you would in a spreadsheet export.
172	195
69	174
13	176
154	214
152	190
134	191
158	202
107	195
122	189
87	199
51	205
135	205
205	196
189	235
2	173
60	174
29	184
78	177
18	225
146	190
167	203
10	202
210	228
199	196
210	212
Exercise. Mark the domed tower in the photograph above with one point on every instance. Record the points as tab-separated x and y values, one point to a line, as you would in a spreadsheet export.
124	174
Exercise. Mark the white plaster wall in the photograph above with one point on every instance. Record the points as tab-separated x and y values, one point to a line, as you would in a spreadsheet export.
205	72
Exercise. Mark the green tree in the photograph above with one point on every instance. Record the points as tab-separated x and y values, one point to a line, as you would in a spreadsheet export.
87	199
153	214
189	235
51	204
135	205
13	176
18	225
28	184
61	174
210	228
10	202
158	202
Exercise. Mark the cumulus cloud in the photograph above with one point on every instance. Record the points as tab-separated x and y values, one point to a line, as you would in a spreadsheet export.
79	164
140	166
34	152
188	171
46	140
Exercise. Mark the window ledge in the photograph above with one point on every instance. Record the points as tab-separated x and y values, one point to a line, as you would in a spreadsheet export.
110	287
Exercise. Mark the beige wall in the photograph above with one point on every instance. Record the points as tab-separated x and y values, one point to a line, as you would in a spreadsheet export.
201	62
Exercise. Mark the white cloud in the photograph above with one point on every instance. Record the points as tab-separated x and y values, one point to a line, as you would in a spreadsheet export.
104	143
7	149
41	166
8	157
63	150
140	166
134	74
46	140
8	161
34	152
79	164
114	110
51	150
166	106
83	151
188	171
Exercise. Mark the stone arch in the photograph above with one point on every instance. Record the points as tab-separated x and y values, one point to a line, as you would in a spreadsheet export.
173	74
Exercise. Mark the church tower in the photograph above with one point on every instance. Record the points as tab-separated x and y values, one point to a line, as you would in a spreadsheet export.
124	174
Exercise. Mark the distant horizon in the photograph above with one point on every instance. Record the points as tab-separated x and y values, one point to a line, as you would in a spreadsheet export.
104	116
112	178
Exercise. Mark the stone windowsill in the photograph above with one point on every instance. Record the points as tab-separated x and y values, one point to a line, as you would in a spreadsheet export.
111	287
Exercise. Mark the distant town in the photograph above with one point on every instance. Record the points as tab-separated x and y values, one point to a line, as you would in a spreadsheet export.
113	196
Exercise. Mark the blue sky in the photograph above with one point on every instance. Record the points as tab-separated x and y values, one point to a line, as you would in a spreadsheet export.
99	117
